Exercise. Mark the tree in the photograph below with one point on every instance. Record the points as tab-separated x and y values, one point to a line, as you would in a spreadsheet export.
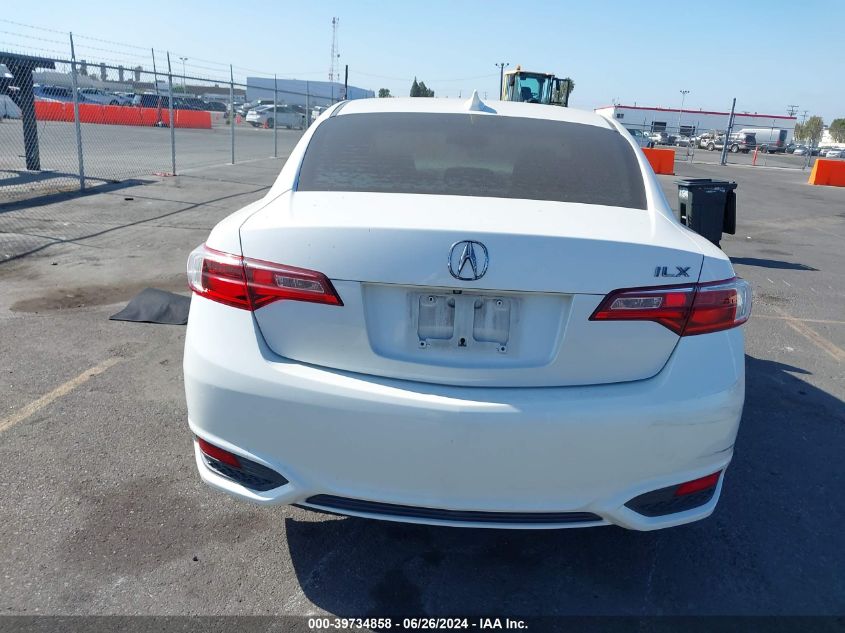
813	129
419	89
798	132
837	130
383	93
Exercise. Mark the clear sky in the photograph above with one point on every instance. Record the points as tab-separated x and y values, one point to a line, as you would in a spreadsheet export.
632	51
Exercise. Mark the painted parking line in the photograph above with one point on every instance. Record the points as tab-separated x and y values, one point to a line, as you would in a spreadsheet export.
65	388
829	347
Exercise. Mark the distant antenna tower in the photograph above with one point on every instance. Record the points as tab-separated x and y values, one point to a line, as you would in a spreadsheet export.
334	73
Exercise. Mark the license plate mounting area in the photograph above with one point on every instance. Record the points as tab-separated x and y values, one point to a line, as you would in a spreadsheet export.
465	321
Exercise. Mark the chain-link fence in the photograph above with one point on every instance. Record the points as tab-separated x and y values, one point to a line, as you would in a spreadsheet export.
747	141
76	112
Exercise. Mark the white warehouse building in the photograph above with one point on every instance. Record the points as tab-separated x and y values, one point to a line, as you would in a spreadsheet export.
693	122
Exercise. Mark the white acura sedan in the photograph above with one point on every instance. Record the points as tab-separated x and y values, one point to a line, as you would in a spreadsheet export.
463	314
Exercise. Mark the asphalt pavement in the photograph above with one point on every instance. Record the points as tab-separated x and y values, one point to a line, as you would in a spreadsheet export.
102	512
113	153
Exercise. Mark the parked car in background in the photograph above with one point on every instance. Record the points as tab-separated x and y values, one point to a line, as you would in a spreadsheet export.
822	151
96	95
642	139
8	108
192	103
55	93
375	336
188	103
284	116
791	148
836	152
707	140
151	100
683	141
244	108
742	142
216	106
800	150
738	143
662	138
770	140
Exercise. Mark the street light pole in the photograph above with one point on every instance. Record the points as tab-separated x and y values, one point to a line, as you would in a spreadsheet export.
684	94
501	66
184	59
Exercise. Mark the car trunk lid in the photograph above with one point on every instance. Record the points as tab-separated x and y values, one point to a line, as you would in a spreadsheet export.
525	322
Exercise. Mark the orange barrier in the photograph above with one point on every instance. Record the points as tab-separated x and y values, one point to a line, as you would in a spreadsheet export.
120	115
662	160
828	172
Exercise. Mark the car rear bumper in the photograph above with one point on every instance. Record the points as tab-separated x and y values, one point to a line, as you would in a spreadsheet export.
449	452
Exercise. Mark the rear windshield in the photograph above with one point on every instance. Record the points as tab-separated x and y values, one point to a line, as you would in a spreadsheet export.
473	155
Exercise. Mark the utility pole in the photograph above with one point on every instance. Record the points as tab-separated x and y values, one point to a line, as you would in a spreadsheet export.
684	94
346	83
791	109
804	116
333	73
501	66
184	59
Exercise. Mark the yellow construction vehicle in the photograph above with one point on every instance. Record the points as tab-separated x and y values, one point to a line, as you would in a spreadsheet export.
522	85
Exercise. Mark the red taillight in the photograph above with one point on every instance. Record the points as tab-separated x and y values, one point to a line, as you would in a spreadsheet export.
667	306
215	452
271	282
218	276
696	485
686	310
249	284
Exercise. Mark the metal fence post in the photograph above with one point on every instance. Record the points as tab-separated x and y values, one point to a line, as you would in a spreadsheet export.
232	101
172	118
275	114
155	85
76	122
307	105
724	158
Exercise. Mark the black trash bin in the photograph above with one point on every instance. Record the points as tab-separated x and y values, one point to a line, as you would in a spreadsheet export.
707	206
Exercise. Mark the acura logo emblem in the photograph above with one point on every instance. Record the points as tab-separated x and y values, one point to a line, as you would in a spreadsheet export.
468	260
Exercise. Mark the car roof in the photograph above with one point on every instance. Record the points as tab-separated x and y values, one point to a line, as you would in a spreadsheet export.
434	105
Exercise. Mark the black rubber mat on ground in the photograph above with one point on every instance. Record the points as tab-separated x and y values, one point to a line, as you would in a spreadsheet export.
155	306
